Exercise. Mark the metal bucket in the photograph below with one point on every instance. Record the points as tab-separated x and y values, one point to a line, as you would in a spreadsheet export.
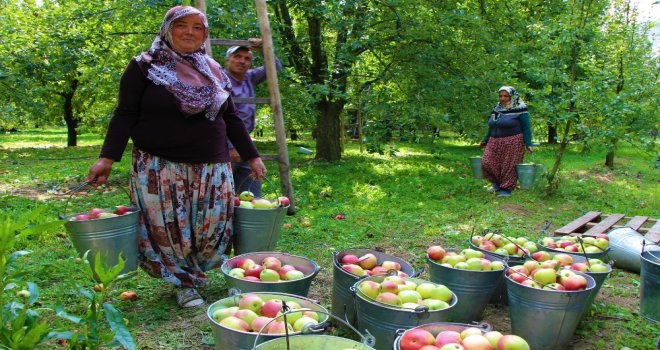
230	339
111	237
257	230
650	286
601	255
475	164
547	319
382	320
473	288
343	304
528	174
436	328
626	247
297	287
499	296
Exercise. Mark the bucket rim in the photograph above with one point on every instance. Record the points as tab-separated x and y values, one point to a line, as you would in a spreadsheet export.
225	267
591	284
356	292
580	259
506	258
67	218
582	254
337	263
435	264
654	253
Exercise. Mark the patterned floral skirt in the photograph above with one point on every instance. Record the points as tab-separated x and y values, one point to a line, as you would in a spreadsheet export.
186	219
500	158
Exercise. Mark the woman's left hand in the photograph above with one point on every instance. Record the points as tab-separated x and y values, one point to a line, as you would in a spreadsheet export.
258	168
530	149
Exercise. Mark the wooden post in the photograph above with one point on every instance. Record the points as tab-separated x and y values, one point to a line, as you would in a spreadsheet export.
275	102
201	5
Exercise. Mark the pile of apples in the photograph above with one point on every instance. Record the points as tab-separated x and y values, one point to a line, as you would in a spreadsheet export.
471	338
367	265
567	261
404	293
553	274
505	246
252	313
467	259
270	269
247	200
97	213
570	244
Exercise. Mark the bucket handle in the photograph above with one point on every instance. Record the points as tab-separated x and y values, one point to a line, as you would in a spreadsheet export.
270	184
79	187
419	272
367	339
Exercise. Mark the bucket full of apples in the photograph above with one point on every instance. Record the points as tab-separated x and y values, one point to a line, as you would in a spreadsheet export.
258	222
241	321
457	336
555	298
472	274
109	232
270	272
384	304
350	265
591	247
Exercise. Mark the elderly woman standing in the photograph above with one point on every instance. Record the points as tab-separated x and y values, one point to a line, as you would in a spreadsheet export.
509	133
175	106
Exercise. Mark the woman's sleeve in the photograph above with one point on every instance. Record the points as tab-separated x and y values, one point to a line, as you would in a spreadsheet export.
485	141
131	89
237	133
526	128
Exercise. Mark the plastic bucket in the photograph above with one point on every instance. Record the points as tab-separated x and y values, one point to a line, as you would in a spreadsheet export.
383	320
111	237
230	339
600	255
527	174
547	319
626	247
650	286
475	164
297	287
257	230
473	288
436	328
343	303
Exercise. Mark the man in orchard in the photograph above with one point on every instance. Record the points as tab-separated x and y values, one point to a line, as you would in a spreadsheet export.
238	61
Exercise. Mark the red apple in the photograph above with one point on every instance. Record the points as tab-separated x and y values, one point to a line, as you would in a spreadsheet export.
259	323
95	213
447	337
121	210
271	262
81	217
278	327
415	339
271	307
253	270
235	323
354	269
237	202
284	201
541	256
435	252
349	259
368	261
391	265
582	267
284	269
575	282
251	302
476	342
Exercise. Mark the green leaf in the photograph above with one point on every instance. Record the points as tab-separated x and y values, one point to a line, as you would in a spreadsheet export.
60	312
16	255
34	292
116	321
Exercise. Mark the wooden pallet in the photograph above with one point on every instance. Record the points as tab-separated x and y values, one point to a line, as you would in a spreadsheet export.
593	223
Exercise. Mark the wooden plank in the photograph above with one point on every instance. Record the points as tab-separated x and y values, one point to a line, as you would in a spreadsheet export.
577	223
229	42
654	233
636	222
275	103
604	225
251	100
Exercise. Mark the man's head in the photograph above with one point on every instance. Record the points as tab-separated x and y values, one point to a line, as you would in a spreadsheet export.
238	60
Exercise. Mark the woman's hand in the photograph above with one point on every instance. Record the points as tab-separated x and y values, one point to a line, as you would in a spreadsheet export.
234	156
530	149
100	171
258	168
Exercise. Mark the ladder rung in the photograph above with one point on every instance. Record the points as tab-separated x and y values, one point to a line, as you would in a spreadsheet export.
251	100
229	42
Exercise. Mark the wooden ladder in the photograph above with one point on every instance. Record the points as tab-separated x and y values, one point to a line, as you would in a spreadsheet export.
274	100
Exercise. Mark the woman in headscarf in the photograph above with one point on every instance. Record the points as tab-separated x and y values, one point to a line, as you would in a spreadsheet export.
175	106
509	133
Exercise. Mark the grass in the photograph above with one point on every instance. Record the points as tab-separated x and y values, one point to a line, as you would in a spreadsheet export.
422	197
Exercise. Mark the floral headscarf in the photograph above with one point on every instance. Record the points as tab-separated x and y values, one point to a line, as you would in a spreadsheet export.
515	102
195	79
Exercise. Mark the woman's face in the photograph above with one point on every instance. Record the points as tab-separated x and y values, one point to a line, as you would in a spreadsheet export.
188	34
504	98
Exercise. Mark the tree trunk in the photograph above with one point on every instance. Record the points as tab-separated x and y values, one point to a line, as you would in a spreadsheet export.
552	134
70	120
328	145
609	160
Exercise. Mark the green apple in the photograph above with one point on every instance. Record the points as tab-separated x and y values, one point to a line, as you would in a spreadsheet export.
409	296
246	196
472	253
435	304
302	322
220	314
496	265
246	205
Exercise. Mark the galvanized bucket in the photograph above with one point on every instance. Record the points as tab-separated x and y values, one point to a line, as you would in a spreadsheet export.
626	246
343	304
475	164
382	320
499	296
111	237
547	319
297	287
257	230
318	342
473	288
601	255
650	286
230	339
436	328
